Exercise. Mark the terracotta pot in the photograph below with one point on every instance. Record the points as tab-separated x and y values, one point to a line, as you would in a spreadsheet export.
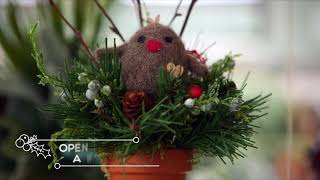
173	165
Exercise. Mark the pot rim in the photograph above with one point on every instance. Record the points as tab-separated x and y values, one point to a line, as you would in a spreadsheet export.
167	161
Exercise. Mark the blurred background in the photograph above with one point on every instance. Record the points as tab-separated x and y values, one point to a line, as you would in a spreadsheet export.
278	39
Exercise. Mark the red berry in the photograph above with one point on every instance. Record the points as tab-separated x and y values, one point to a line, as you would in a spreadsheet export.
195	91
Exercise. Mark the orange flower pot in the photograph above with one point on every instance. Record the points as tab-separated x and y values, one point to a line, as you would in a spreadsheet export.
173	165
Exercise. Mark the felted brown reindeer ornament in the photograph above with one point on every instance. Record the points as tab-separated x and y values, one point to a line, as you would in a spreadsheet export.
151	47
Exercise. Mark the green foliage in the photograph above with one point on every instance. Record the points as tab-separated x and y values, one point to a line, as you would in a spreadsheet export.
222	66
45	79
219	124
16	44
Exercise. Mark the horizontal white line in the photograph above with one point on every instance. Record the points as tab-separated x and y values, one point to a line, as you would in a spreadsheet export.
97	166
88	140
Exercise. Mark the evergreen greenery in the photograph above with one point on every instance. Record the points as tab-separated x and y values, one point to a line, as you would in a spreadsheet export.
219	124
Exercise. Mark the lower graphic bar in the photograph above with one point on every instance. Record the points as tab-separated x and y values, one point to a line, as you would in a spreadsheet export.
58	166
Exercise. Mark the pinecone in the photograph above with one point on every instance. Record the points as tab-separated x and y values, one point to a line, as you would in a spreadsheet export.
132	103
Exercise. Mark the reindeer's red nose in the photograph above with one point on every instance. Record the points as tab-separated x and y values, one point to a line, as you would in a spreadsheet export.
154	45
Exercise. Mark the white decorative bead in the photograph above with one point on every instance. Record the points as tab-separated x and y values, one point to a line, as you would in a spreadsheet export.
91	94
94	85
98	103
106	90
189	102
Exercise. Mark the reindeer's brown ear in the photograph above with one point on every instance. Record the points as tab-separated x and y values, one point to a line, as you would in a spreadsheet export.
195	66
103	51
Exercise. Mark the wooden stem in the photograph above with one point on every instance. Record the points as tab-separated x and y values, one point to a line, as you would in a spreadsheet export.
76	32
193	2
176	14
140	13
114	27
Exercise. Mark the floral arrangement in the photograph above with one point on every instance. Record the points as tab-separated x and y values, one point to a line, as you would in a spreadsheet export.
207	115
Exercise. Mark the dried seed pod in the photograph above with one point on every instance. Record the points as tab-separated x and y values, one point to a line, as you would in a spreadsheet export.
170	67
175	70
178	71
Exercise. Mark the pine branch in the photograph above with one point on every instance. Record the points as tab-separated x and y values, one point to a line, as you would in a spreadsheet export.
193	2
176	13
76	32
113	26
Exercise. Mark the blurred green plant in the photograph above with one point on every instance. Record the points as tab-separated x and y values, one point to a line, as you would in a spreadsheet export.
13	39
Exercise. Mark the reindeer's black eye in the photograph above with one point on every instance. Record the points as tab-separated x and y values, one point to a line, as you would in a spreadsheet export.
141	39
168	39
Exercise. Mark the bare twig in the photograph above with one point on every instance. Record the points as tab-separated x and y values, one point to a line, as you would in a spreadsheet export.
76	32
139	9
193	2
113	26
176	13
